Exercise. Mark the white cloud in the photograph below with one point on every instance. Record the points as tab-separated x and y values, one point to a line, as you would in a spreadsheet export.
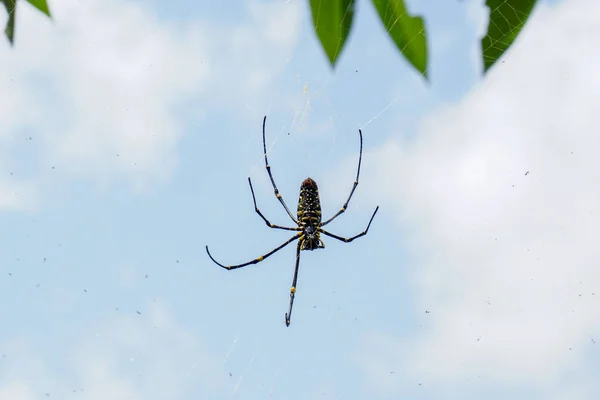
101	86
148	356
501	193
17	391
101	82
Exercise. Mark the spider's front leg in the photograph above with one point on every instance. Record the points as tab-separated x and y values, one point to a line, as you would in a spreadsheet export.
354	185
268	167
348	240
269	224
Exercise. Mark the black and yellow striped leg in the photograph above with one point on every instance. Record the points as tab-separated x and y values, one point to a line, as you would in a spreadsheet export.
269	224
259	259
348	240
345	206
277	194
288	315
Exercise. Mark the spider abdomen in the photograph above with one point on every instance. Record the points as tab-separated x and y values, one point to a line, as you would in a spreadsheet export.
309	205
309	215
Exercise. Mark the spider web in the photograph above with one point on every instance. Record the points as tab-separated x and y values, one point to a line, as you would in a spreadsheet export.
306	138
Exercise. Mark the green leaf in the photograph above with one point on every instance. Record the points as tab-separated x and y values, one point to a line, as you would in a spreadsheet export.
41	5
507	18
407	32
332	20
11	8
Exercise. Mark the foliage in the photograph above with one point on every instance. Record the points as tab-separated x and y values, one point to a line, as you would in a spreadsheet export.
332	20
11	9
507	18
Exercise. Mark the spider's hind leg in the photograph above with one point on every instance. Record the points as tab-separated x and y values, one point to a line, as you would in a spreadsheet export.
288	315
258	259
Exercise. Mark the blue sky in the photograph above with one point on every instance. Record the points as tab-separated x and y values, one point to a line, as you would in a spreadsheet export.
129	130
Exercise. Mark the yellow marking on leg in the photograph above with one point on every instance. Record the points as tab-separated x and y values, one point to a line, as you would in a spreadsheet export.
278	195
293	290
272	225
260	258
343	209
268	166
228	267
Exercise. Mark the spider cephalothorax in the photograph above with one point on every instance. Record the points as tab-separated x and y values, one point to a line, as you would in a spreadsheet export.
309	226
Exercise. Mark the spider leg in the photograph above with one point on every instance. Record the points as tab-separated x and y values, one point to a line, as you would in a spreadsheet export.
348	240
345	206
259	259
288	315
270	225
277	194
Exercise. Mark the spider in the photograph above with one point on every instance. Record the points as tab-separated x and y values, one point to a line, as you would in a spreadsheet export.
309	225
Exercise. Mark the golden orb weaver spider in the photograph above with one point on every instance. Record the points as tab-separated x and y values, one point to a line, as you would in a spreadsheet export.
309	222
